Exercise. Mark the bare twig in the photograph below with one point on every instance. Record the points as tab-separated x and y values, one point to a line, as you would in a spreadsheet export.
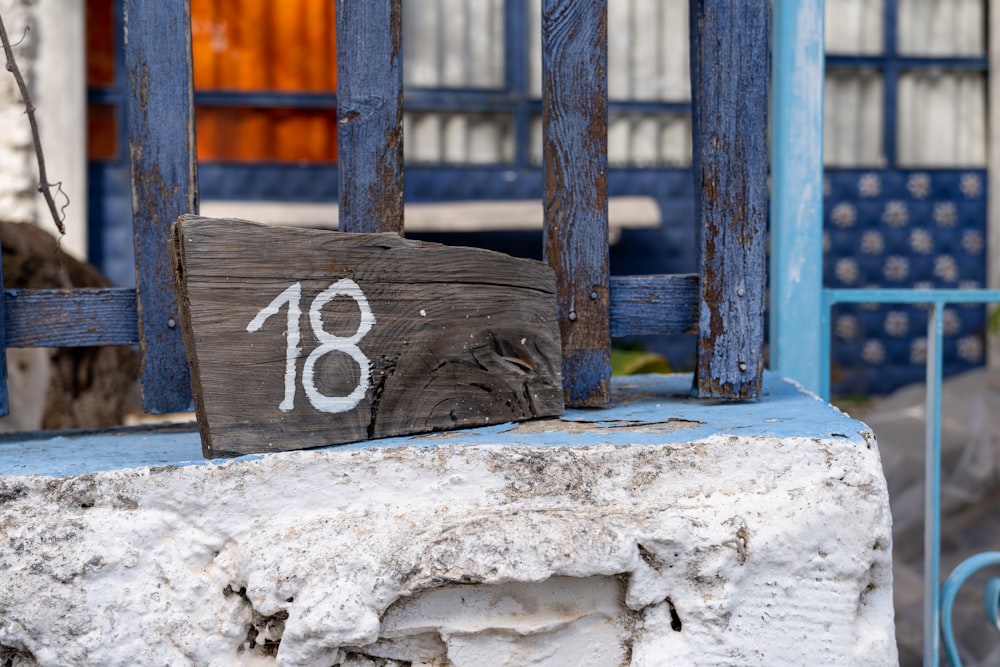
43	182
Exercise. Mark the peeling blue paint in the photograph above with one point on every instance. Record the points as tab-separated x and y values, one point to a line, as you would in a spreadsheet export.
646	410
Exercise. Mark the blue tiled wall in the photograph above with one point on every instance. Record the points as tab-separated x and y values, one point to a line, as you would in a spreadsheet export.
904	229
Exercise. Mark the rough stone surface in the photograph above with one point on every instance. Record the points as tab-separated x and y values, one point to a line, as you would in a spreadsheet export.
732	549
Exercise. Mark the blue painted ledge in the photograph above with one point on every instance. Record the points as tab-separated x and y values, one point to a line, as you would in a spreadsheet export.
646	410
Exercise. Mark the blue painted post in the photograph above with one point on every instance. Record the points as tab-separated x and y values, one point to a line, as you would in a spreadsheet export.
164	184
575	152
796	309
370	115
730	72
932	486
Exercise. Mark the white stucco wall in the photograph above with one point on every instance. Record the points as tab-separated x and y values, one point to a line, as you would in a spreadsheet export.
51	56
466	548
17	173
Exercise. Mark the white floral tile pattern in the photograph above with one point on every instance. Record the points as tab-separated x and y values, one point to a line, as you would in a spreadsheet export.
972	241
873	352
847	271
970	348
869	185
945	214
897	323
896	214
846	327
971	186
921	242
872	242
844	215
945	268
919	185
916	230
896	269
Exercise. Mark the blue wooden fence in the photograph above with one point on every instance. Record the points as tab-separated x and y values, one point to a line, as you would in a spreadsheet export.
731	121
732	85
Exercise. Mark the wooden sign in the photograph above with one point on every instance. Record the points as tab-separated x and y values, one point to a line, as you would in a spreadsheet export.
301	338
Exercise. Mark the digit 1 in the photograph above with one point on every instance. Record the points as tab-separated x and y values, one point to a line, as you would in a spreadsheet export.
293	297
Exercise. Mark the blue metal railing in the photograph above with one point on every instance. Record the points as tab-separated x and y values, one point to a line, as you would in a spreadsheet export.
937	601
800	306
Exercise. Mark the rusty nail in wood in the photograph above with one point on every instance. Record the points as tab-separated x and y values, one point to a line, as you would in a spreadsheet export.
593	296
743	366
741	292
572	316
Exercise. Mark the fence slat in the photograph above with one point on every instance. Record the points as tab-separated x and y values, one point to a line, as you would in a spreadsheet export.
70	318
164	184
574	111
654	305
729	68
370	115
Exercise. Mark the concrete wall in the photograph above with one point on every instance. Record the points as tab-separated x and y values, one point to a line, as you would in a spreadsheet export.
667	533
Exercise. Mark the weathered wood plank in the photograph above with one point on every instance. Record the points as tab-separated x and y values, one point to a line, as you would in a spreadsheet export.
70	317
370	115
654	305
164	184
280	321
640	305
575	137
730	73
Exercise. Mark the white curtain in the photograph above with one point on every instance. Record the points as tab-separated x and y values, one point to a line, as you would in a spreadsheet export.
855	26
853	109
942	119
941	115
455	44
942	27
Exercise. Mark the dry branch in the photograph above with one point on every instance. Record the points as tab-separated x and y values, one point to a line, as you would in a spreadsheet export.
43	182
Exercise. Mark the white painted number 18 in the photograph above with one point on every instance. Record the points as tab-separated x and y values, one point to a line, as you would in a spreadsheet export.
328	343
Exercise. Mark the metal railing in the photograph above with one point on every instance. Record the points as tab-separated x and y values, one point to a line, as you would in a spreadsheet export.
800	305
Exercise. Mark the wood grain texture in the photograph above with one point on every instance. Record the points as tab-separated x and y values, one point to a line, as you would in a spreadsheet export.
730	74
457	337
70	317
164	184
575	150
370	115
654	305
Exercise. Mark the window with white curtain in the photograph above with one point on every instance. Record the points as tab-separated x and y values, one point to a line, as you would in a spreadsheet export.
460	45
906	91
902	91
